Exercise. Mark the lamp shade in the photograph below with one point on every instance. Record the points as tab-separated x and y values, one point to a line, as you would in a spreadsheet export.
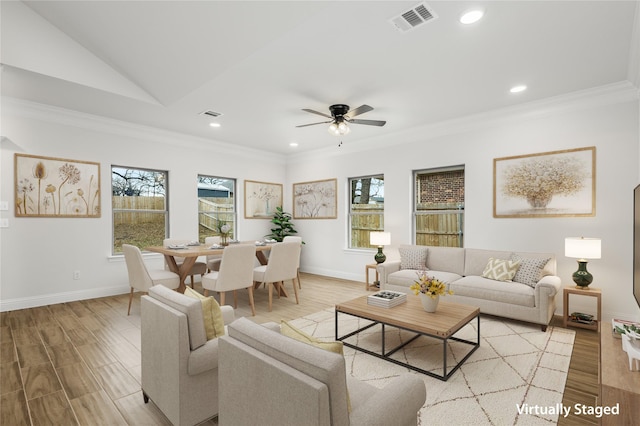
380	238
582	248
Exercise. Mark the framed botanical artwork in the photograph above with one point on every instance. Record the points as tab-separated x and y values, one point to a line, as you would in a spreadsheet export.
547	184
315	200
56	187
261	199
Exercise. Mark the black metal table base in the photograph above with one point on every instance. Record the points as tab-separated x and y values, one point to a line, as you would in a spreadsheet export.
386	355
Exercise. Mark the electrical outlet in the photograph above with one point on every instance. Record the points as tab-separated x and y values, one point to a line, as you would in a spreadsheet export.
4	223
76	275
4	205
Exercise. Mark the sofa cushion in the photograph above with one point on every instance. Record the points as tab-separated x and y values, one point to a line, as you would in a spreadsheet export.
450	259
407	277
530	270
211	313
500	269
192	308
413	257
475	260
498	291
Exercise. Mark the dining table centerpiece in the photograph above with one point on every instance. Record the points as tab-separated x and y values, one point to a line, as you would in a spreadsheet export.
429	289
224	230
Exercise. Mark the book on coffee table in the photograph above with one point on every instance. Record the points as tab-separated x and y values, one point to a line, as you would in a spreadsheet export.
387	299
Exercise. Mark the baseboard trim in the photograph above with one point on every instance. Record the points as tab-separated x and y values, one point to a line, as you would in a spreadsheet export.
52	299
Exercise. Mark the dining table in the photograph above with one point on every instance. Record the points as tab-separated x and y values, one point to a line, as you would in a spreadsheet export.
190	253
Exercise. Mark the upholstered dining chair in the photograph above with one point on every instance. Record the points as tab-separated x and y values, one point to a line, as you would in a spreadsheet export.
291	238
141	278
213	261
236	272
198	268
282	266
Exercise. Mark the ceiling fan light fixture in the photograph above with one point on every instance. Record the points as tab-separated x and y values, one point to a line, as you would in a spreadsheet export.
339	128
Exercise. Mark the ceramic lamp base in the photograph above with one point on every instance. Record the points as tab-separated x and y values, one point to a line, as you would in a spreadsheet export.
380	256
582	277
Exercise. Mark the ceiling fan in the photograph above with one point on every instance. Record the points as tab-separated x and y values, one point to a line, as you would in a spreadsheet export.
340	116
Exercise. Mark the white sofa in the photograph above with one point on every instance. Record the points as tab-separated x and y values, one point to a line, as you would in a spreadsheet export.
462	270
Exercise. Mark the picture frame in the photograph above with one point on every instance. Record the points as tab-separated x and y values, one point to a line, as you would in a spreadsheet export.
546	184
261	199
56	187
316	199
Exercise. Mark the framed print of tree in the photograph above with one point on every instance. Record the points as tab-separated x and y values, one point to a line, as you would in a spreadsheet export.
548	184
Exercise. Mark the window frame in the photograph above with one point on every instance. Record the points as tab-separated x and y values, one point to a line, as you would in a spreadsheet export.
351	213
114	210
234	212
459	211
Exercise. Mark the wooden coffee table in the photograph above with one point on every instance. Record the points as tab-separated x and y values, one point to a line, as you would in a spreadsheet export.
442	324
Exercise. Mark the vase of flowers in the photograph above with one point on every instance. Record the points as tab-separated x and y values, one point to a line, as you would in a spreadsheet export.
429	289
224	230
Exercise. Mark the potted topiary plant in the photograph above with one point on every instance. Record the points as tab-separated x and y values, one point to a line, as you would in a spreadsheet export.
283	225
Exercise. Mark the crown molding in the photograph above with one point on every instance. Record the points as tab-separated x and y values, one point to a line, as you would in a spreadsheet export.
56	115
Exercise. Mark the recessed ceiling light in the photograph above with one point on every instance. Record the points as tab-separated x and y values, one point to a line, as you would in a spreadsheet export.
294	144
471	16
214	124
518	89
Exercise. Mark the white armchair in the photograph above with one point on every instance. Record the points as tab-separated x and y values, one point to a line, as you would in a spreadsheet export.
295	383
179	364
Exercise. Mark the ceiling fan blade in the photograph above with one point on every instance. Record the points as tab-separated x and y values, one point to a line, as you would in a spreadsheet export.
360	110
369	122
317	112
313	124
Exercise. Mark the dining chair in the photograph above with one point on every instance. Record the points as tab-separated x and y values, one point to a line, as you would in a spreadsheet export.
198	268
236	272
213	260
141	278
282	266
291	238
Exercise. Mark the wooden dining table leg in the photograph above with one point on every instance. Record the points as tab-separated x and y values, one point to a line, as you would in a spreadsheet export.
183	270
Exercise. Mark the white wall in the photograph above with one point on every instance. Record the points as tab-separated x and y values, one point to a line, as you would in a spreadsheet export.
609	125
38	256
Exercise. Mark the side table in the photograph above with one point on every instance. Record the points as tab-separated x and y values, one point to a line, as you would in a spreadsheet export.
589	291
367	268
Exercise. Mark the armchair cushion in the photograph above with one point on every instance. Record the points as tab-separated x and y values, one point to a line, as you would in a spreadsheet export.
211	313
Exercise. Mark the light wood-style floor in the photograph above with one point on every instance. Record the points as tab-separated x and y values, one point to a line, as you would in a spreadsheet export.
79	362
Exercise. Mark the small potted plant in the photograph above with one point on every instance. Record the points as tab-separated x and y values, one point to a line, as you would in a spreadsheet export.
429	289
632	331
283	225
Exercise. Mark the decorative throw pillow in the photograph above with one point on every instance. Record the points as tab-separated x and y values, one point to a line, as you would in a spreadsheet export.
413	258
213	321
500	269
291	331
299	335
530	269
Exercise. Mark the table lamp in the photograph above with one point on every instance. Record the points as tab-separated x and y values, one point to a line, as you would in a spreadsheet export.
380	239
582	249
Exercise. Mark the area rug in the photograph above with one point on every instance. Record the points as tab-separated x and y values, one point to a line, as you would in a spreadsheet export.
516	377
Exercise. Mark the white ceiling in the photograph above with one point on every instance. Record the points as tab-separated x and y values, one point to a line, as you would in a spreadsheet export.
161	63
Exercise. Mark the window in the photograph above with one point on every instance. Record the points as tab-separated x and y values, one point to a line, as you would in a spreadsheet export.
140	207
366	209
439	207
216	205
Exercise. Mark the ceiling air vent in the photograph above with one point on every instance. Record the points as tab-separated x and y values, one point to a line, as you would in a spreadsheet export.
211	113
413	18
